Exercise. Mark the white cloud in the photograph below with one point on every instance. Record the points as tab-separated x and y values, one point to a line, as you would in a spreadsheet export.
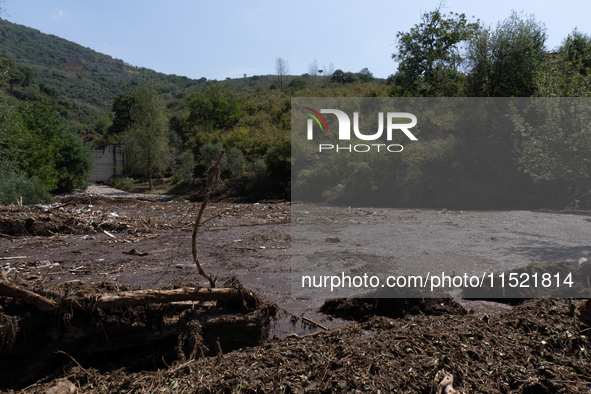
58	15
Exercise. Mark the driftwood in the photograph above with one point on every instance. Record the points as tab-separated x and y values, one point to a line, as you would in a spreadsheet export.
188	322
443	383
125	298
11	290
142	297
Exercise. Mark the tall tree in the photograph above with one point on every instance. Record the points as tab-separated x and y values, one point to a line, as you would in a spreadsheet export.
556	143
430	52
576	48
214	107
568	72
122	109
365	75
146	139
313	70
504	62
12	132
282	69
50	151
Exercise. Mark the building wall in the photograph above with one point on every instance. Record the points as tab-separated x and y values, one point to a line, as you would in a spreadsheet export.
108	162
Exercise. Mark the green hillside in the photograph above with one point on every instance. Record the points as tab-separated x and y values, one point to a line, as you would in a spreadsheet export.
83	82
106	100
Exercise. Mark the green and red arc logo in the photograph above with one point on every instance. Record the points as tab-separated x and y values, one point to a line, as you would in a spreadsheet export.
315	115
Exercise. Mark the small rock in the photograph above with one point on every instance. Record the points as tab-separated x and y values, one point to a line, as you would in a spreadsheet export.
333	240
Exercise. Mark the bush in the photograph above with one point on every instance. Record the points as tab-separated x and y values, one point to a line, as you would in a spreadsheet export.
278	162
236	163
208	154
186	168
74	162
13	187
176	178
232	162
125	184
298	83
256	174
48	89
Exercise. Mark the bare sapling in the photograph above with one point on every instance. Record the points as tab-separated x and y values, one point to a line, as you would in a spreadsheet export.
213	173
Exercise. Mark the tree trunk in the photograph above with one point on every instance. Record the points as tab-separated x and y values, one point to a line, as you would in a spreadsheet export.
14	291
142	297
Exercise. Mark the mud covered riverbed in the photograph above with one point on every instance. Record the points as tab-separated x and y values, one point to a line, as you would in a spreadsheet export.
422	242
537	347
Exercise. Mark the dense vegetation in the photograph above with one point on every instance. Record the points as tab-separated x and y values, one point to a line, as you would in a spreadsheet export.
39	153
82	82
79	91
504	163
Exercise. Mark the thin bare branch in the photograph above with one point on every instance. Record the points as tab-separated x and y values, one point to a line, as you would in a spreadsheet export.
212	174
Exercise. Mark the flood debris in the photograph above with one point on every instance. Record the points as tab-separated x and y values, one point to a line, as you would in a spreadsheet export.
538	347
136	252
443	383
109	325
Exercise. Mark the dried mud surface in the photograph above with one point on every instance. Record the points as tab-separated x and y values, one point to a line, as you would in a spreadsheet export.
539	346
429	242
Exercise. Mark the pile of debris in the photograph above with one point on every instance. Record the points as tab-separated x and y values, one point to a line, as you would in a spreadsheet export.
109	325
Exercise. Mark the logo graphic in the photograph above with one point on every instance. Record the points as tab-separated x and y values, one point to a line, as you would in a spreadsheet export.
345	129
315	115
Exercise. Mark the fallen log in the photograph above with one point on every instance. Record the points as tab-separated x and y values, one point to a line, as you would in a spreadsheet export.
114	328
14	291
142	297
126	298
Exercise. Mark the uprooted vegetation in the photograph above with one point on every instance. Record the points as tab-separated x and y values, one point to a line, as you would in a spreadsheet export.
395	345
539	347
59	218
107	326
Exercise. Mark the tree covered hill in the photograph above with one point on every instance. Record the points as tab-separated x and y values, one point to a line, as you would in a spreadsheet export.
82	81
509	166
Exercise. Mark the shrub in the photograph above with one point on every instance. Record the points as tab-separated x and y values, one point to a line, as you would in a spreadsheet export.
298	83
13	187
256	174
74	162
186	168
125	184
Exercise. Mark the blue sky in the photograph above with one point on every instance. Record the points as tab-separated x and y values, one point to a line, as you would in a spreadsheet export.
219	39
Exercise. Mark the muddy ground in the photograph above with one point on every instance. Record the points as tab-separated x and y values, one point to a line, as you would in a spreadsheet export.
540	346
428	242
148	244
